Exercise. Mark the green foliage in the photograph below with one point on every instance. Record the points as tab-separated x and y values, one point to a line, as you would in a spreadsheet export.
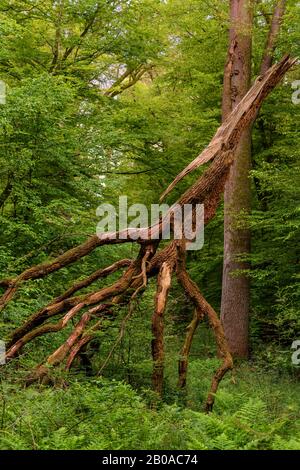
105	414
95	415
66	146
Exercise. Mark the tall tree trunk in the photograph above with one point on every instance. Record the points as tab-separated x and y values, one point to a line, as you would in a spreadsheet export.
237	195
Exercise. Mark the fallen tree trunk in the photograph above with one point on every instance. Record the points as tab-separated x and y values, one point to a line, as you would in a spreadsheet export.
150	261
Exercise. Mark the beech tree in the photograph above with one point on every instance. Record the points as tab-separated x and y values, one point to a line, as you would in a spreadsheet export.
237	196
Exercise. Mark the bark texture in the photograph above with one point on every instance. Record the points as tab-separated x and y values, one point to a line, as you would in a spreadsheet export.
237	195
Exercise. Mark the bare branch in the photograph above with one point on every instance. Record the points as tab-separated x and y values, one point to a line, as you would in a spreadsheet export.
64	301
186	348
273	35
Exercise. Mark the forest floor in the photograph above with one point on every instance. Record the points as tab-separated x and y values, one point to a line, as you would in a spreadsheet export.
257	407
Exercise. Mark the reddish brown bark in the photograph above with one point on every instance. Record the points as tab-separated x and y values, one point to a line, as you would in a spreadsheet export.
221	150
89	299
69	257
49	328
42	372
235	304
77	348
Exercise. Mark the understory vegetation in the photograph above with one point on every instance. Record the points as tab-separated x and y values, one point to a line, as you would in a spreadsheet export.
256	409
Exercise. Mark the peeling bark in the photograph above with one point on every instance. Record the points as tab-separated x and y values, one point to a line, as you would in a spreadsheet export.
163	286
42	372
273	35
221	150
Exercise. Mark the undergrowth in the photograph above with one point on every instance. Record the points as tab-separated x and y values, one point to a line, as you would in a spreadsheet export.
253	411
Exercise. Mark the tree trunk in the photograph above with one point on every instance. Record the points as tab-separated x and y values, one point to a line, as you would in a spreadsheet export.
237	195
272	36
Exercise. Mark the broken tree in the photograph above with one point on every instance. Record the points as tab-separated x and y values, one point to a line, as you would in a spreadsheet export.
89	310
